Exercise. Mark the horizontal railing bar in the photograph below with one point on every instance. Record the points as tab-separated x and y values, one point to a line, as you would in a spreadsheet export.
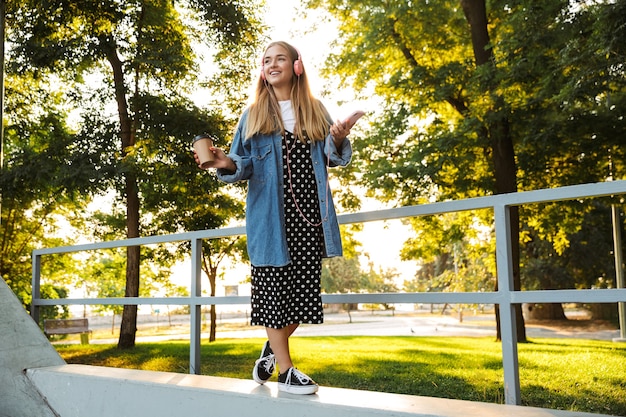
613	295
146	301
516	297
413	298
148	240
601	189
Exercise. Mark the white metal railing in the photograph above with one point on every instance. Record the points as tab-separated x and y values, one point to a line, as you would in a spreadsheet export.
505	297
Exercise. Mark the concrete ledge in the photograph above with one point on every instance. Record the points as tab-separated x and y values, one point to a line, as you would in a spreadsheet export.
81	390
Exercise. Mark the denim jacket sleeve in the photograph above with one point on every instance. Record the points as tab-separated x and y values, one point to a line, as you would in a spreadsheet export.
240	156
338	157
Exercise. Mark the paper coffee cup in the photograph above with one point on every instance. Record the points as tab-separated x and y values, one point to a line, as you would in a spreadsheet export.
201	145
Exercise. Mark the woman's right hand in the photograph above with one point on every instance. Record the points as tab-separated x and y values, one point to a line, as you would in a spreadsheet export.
221	160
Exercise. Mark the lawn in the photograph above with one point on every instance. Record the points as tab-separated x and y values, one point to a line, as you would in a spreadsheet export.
566	374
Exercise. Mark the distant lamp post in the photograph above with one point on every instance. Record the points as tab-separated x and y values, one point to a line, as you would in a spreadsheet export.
617	249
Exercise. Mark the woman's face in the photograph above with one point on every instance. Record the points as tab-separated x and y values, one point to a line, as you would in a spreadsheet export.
277	66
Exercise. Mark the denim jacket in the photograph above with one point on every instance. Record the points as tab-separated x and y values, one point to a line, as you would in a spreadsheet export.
259	160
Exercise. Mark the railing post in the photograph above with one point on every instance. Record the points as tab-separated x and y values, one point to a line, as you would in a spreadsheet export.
195	309
502	216
36	290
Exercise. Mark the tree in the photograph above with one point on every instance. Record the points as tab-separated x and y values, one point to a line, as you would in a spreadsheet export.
143	53
49	291
379	280
214	253
496	132
102	277
341	275
44	178
455	253
482	101
419	57
581	259
345	274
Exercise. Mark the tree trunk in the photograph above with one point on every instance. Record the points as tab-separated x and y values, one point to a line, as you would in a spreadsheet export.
128	327
498	136
213	326
544	311
604	311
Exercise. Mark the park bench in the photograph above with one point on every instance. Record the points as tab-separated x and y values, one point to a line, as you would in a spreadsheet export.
68	326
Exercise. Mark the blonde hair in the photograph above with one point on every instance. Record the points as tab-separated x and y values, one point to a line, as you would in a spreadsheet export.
264	115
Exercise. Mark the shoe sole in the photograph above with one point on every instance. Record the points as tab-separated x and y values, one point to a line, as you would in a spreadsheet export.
299	390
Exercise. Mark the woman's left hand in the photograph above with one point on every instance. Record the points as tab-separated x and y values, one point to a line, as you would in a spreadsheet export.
340	131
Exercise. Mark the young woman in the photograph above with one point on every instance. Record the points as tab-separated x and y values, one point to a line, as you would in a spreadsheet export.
283	144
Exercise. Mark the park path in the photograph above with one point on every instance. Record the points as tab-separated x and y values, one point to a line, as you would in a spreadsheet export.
363	323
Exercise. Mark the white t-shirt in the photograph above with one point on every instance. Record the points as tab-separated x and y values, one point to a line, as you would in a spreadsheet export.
289	118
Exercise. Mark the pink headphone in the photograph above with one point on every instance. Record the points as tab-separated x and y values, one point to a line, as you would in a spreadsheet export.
297	66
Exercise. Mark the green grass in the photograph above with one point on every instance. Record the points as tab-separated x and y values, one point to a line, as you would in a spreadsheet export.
566	374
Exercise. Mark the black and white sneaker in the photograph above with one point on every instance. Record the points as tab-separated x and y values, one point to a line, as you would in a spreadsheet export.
295	382
265	365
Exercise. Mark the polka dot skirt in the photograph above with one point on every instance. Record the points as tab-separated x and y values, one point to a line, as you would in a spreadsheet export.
291	294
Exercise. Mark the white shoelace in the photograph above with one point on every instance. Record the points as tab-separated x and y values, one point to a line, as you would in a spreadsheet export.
304	379
269	362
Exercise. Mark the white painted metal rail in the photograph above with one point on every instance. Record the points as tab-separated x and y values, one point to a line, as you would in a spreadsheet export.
505	297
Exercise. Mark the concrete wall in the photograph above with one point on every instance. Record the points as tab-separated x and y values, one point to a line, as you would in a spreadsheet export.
22	346
90	391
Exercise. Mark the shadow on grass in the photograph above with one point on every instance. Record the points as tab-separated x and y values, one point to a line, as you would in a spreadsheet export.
585	400
575	344
227	359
